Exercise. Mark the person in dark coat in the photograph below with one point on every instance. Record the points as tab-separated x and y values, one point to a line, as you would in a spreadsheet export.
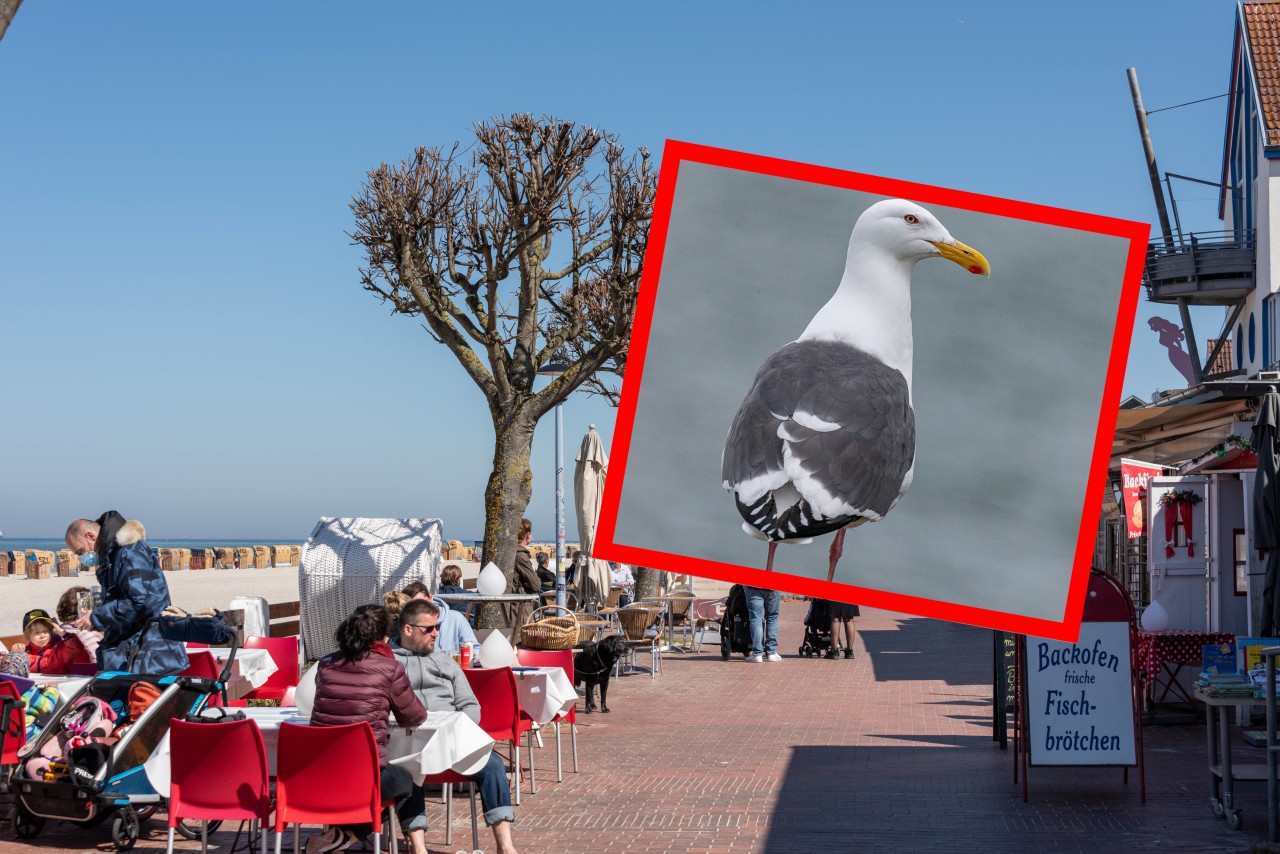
133	591
363	682
526	577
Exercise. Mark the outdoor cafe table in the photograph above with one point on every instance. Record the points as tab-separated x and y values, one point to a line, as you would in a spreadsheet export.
544	692
251	669
1162	655
446	741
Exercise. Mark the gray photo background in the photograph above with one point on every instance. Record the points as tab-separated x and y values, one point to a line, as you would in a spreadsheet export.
1009	374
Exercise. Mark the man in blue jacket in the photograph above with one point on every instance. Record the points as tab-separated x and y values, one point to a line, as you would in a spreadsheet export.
133	591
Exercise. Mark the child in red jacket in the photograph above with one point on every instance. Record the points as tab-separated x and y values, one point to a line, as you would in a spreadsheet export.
49	652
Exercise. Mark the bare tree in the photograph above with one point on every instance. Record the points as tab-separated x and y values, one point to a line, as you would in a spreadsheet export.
8	8
524	247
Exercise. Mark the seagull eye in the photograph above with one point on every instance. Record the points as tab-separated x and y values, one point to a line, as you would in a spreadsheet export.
911	219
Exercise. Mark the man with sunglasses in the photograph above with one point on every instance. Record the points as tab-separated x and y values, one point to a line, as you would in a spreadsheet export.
440	684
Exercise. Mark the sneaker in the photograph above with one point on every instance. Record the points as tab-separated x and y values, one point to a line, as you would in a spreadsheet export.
754	659
333	839
848	653
832	653
773	656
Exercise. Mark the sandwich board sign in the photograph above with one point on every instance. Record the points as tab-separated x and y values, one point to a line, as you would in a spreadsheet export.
1079	701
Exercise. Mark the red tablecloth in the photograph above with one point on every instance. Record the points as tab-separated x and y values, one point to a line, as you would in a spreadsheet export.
1179	646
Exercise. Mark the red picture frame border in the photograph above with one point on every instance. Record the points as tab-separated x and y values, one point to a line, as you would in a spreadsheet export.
676	152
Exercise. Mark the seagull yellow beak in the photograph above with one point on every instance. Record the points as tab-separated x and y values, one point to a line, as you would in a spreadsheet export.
966	256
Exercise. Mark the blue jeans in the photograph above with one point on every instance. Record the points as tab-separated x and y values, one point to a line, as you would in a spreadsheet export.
762	611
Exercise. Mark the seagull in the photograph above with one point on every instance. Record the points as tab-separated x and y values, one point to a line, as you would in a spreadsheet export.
825	439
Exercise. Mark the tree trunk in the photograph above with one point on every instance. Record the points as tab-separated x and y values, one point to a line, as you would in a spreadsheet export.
505	500
8	8
647	586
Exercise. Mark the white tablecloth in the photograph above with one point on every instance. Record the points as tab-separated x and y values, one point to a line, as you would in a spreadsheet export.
251	669
446	741
545	693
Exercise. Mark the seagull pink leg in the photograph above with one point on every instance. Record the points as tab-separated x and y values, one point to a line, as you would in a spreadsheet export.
768	567
837	549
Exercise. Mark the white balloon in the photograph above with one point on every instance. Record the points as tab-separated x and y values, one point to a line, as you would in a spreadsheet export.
496	651
1155	618
305	694
491	581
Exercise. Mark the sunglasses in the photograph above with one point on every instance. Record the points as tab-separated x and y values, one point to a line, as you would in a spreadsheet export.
434	627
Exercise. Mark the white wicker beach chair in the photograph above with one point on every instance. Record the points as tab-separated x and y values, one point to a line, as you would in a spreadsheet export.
346	563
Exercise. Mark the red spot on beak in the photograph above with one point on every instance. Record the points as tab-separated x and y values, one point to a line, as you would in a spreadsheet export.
974	268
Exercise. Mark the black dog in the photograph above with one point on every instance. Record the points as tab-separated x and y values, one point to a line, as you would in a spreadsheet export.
593	665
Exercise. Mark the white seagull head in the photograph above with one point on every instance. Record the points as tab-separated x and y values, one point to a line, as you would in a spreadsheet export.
908	232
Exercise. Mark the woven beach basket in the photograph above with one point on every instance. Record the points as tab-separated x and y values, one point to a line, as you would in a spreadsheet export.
244	557
350	562
166	560
226	559
203	558
559	631
261	557
6	563
182	559
282	555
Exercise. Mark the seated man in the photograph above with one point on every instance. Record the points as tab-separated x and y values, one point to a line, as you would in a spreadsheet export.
454	628
442	686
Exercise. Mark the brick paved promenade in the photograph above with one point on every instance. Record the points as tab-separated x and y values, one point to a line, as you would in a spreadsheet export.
889	752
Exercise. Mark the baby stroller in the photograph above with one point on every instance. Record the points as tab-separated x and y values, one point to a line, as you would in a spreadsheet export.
735	627
817	629
104	777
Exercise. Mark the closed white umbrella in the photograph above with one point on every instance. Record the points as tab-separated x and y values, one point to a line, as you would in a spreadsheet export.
588	491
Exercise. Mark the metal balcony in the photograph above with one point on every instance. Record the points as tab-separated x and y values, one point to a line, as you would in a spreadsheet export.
1204	268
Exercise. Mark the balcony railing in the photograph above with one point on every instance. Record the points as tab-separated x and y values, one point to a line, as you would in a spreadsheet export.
1205	268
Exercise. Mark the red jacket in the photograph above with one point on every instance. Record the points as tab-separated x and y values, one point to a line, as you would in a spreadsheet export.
56	658
371	689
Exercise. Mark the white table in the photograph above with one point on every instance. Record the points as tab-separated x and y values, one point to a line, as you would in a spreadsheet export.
251	669
447	741
544	693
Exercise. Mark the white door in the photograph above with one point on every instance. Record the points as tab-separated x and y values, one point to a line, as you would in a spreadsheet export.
1178	549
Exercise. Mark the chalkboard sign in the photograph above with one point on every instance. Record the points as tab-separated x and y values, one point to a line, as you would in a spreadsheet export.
1003	684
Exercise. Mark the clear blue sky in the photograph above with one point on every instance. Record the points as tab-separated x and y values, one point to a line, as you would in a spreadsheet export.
184	334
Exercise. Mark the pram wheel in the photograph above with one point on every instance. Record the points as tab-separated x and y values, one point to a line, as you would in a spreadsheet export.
26	825
125	828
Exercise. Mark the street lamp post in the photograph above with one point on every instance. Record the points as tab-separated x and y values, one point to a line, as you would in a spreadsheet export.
555	368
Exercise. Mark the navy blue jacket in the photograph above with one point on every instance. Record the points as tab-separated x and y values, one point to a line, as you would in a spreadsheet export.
133	591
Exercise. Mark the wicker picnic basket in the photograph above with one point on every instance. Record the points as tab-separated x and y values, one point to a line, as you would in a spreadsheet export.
560	631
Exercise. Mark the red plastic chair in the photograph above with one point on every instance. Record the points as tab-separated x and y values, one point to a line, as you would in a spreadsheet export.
284	652
201	663
15	729
562	658
218	771
501	719
449	779
329	775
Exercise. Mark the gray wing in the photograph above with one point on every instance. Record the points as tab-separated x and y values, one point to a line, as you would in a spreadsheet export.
831	421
